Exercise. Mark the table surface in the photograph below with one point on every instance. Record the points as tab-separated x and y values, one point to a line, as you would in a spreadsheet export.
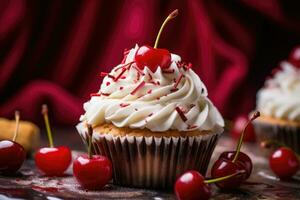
29	184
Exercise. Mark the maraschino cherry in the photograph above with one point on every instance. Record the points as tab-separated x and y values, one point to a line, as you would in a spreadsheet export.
238	126
294	57
192	185
12	154
154	57
233	161
93	172
52	161
284	162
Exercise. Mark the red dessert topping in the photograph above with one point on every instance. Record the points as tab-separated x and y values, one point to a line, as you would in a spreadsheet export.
168	71
124	105
149	91
178	80
181	114
107	83
95	95
142	84
121	88
105	94
103	74
192	127
150	114
119	76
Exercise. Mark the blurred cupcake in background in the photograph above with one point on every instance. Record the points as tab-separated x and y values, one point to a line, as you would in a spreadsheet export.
279	104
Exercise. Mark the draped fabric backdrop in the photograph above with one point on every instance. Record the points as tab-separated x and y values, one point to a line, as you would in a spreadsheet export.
52	51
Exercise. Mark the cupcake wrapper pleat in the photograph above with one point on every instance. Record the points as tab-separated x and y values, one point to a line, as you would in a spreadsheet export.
288	135
151	162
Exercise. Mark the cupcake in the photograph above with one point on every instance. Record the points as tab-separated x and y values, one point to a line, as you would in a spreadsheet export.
153	121
279	104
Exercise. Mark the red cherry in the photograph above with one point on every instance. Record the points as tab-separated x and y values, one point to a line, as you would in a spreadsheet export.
243	160
12	156
238	126
294	56
191	186
152	58
53	161
223	167
284	163
92	173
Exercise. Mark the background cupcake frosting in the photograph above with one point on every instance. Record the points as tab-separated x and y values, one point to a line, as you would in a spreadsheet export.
280	98
146	99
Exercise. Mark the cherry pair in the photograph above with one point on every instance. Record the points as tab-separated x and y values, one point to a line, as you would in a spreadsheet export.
284	162
233	161
12	154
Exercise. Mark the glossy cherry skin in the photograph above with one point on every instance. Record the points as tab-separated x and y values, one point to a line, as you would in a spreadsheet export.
12	156
224	167
243	161
92	173
152	58
53	161
284	163
238	126
191	186
294	56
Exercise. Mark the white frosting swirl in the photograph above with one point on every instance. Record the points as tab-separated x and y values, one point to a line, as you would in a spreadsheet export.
280	97
146	99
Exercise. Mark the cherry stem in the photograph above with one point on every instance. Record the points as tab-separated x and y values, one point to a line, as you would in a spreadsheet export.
172	15
47	123
223	178
17	118
255	115
90	135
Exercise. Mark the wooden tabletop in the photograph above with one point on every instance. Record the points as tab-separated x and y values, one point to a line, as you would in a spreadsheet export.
29	184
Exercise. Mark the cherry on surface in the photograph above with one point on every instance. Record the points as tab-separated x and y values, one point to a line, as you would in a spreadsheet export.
284	162
52	161
232	161
238	126
12	154
92	173
191	186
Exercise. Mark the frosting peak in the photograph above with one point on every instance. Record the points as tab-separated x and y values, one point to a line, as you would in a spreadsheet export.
170	98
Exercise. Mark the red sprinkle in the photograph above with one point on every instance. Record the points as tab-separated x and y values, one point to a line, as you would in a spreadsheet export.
178	80
142	84
119	76
139	71
168	71
181	114
95	95
121	88
149	91
123	66
174	89
105	94
158	83
150	114
107	83
102	74
192	127
124	104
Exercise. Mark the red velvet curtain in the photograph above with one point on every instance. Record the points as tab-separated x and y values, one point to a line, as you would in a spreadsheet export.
52	51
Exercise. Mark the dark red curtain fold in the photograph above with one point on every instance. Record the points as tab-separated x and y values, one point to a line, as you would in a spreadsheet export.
52	51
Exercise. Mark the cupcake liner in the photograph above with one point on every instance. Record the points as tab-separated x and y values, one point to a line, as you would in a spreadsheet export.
288	135
152	162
